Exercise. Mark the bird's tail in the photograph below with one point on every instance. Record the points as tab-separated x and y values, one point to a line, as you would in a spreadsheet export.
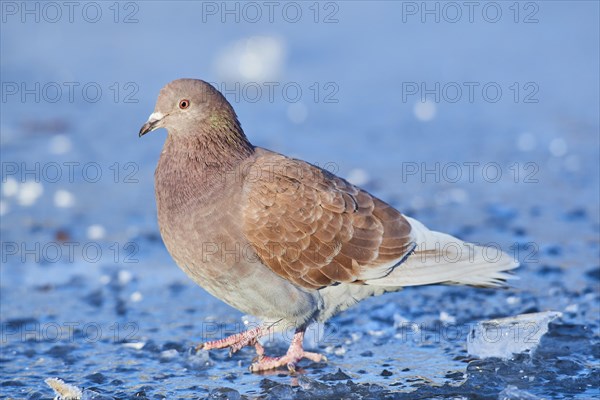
441	258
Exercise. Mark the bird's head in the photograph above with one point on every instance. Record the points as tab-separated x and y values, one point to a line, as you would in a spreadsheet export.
191	106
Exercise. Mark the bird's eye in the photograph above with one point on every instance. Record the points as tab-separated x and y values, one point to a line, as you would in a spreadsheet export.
183	104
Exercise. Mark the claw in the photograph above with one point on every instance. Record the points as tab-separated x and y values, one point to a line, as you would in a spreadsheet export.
261	362
291	367
290	360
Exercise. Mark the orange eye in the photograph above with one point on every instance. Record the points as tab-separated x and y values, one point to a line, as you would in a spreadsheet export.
183	104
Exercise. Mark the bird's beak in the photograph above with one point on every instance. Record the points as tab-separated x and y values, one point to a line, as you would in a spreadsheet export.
152	123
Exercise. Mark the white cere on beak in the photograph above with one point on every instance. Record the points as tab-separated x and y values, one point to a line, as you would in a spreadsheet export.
155	117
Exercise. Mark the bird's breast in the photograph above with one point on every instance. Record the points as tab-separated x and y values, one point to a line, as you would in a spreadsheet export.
202	227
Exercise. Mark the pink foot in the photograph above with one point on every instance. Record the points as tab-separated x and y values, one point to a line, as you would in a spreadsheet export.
235	342
294	354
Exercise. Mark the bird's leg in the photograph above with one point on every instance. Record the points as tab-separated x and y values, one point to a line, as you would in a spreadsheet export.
237	341
294	354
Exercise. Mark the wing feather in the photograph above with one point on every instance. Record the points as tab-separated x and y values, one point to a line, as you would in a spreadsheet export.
316	229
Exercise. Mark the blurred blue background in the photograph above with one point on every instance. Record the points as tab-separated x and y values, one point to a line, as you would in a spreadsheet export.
505	94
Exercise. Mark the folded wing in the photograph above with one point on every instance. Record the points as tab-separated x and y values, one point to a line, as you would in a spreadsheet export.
316	229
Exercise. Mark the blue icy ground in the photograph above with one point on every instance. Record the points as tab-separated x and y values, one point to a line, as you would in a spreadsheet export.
126	325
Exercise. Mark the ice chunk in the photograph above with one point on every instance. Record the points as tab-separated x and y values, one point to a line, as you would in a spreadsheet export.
198	360
504	337
514	393
225	393
447	318
65	391
281	392
168	355
315	388
135	345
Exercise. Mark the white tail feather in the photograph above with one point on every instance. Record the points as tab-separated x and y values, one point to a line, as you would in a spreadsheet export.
441	258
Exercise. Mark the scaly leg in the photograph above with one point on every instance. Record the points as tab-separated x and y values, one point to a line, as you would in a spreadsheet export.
237	341
294	354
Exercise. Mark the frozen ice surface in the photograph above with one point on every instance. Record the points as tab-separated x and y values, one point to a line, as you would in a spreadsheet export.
505	337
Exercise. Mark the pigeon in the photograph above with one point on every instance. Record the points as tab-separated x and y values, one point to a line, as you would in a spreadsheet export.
281	239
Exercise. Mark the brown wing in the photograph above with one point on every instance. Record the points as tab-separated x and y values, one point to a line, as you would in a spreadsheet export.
316	229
